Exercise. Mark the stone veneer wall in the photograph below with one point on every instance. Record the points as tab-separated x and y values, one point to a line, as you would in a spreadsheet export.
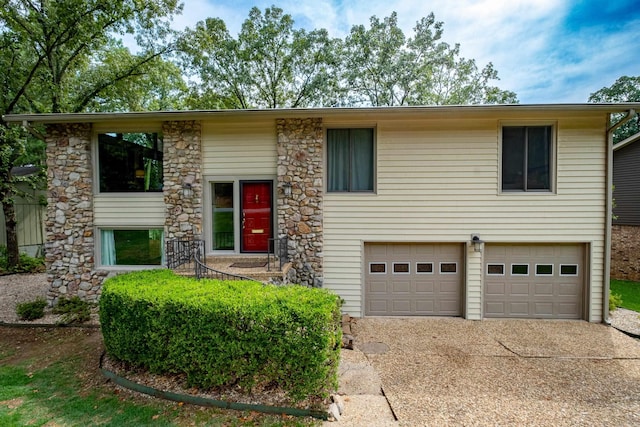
69	225
300	163
625	252
69	239
182	168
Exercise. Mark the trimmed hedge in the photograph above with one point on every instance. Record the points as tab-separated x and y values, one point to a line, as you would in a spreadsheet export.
222	333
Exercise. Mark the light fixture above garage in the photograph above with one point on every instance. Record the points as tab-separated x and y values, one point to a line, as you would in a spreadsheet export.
477	243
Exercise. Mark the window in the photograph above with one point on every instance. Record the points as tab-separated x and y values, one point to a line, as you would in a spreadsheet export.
424	267
448	267
350	160
519	269
378	267
495	269
400	268
544	269
526	158
131	247
568	269
223	228
130	162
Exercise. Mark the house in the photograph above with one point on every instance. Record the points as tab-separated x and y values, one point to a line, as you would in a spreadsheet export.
625	243
472	211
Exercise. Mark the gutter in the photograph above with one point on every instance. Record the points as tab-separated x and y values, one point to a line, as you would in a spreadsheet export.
631	113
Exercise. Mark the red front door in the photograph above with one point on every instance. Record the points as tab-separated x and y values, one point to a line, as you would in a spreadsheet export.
256	215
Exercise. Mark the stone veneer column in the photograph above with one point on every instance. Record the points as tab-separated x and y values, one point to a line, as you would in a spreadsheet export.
69	245
182	171
300	215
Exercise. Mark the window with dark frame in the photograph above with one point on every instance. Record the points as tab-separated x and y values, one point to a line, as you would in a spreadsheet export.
350	160
130	162
526	158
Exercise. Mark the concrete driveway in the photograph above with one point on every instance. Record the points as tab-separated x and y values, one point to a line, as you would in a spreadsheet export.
492	372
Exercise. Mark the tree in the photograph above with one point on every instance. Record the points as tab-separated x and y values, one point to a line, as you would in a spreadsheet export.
269	65
382	67
625	89
54	59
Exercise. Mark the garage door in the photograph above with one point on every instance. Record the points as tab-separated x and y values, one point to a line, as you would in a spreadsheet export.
413	279
534	281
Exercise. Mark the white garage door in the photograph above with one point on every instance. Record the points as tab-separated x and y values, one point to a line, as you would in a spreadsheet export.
413	279
534	281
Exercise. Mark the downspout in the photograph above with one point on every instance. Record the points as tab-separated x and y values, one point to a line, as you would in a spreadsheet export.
33	131
608	214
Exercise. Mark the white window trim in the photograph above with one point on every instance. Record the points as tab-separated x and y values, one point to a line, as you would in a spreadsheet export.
511	273
424	272
544	275
393	267
447	272
496	263
577	266
553	175
378	262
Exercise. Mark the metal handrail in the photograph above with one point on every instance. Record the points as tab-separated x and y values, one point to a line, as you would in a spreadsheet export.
279	252
205	272
180	252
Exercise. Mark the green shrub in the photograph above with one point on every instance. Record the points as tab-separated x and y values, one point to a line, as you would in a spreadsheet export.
31	310
222	333
73	310
27	264
615	301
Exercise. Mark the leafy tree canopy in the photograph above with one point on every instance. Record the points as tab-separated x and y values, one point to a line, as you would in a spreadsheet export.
625	89
269	65
383	67
61	56
273	65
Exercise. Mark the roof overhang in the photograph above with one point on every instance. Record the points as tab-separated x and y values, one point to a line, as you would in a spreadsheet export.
625	142
460	110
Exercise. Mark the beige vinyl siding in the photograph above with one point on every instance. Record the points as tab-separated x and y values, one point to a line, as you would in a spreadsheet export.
438	181
129	210
239	148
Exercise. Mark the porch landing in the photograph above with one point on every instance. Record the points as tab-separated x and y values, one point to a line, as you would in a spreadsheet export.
257	267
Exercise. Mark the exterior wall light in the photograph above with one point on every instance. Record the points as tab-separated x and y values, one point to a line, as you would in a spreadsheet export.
187	190
477	243
187	186
286	188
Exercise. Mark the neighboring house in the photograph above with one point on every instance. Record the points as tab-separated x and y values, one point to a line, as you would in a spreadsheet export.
381	205
625	243
30	214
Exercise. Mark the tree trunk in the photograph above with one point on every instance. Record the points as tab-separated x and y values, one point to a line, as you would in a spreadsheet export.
13	252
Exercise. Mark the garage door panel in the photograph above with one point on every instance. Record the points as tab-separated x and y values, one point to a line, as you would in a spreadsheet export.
420	279
401	307
543	289
423	287
518	309
518	289
378	286
403	287
543	309
556	295
496	288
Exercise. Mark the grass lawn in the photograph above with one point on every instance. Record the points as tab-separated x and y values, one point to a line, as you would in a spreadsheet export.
629	291
50	377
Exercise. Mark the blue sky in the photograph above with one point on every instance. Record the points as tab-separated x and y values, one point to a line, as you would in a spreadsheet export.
547	51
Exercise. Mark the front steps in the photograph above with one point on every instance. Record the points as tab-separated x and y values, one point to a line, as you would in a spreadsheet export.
255	267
